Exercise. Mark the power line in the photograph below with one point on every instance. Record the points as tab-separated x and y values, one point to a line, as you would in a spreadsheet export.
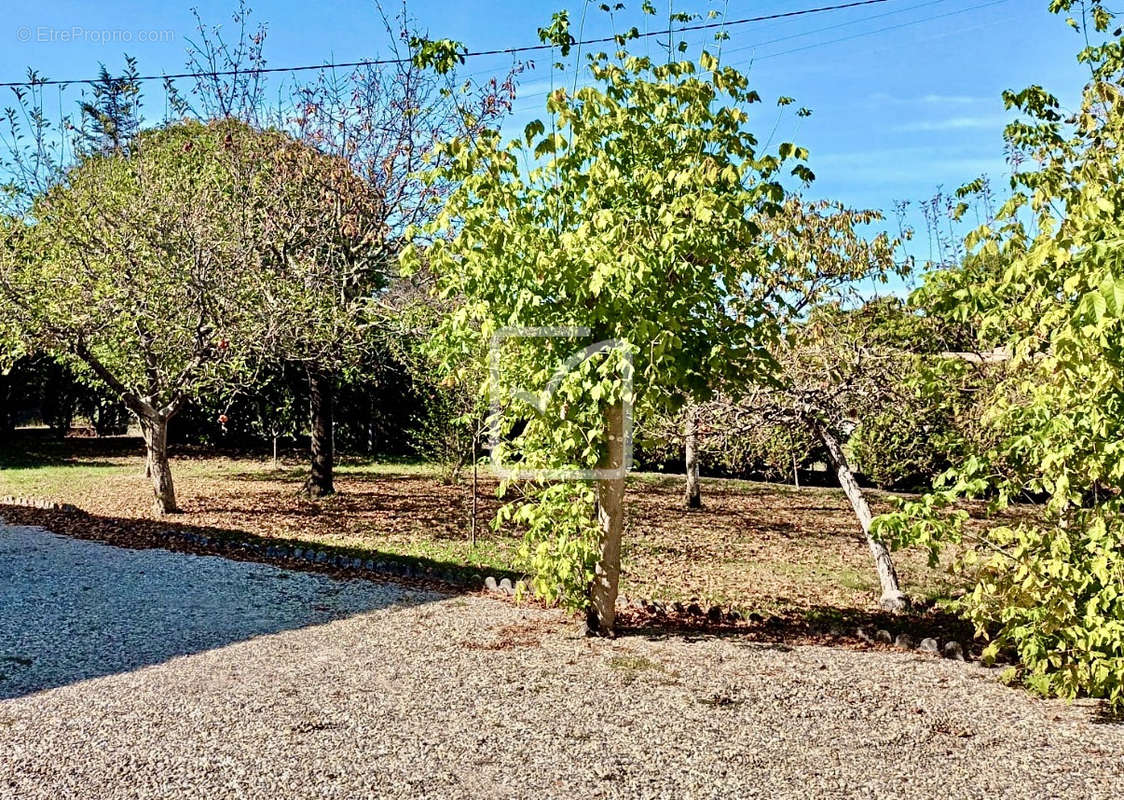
727	51
505	51
880	30
524	107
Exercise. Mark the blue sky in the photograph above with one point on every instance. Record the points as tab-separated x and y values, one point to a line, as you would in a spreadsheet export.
905	94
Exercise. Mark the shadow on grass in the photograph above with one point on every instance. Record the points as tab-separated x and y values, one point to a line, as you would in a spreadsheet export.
243	546
30	448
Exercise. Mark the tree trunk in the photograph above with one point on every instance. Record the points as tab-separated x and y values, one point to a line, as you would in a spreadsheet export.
154	429
370	426
321	401
7	409
475	484
692	497
892	597
601	616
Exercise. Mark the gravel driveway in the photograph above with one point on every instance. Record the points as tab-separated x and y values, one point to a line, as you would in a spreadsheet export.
148	674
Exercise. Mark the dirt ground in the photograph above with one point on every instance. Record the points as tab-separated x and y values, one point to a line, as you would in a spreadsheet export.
759	548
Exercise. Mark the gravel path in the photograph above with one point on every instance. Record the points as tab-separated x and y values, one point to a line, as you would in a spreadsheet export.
175	676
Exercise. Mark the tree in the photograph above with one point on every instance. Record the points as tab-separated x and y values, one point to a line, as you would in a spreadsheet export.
110	119
818	256
1042	282
135	266
908	446
626	218
321	232
835	368
830	362
382	120
692	493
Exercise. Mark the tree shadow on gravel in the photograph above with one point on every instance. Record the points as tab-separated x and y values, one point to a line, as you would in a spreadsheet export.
75	609
1105	716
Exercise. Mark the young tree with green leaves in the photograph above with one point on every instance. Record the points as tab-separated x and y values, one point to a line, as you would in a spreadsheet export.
629	215
1043	283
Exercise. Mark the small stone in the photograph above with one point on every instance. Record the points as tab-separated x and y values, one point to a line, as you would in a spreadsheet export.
929	645
863	636
883	635
678	607
896	602
734	616
904	641
369	564
298	552
695	610
506	587
714	614
953	650
490	584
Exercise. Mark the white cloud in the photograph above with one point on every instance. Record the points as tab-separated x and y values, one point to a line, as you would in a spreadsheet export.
951	100
919	168
952	124
883	99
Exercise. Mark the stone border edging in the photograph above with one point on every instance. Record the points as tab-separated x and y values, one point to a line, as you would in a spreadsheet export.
42	505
